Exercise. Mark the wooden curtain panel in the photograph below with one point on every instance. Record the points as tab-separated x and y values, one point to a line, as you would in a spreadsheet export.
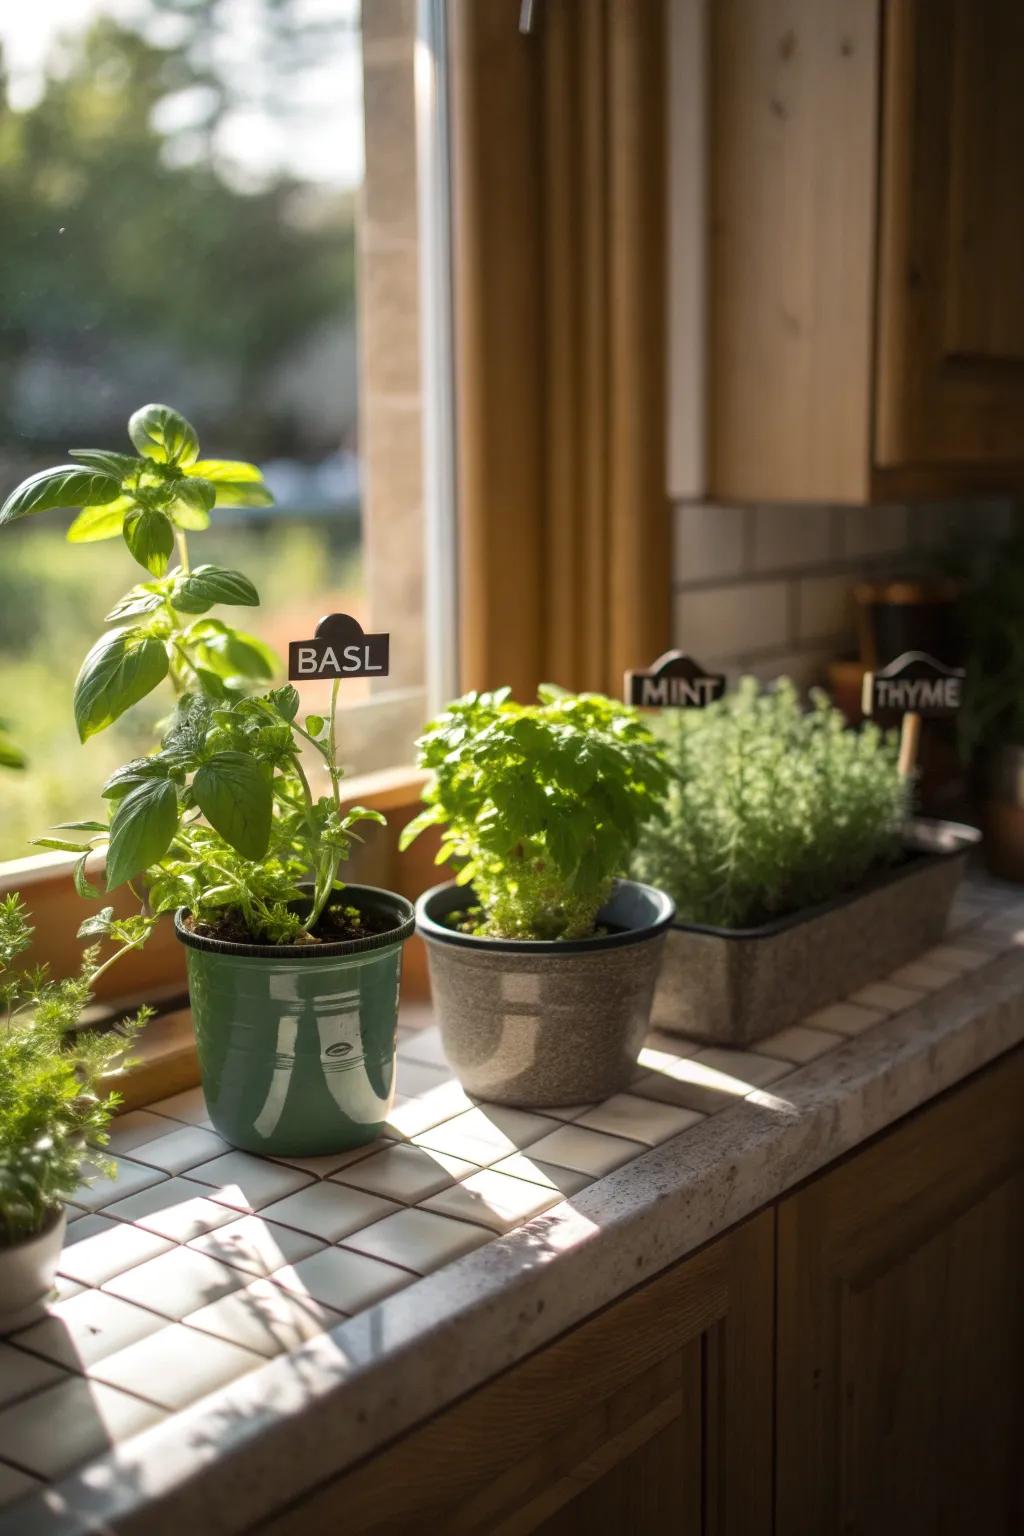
558	230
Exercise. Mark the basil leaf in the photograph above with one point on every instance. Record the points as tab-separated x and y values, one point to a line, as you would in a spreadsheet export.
141	831
97	925
81	826
131	775
198	590
231	653
234	793
160	433
122	667
68	485
193	502
138	600
103	522
83	885
315	724
150	538
62	843
286	701
117	464
237	484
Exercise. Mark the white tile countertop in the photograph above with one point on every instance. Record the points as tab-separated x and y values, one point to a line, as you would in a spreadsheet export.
230	1330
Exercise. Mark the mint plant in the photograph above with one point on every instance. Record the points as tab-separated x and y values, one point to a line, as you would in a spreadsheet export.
771	807
221	818
540	804
53	1108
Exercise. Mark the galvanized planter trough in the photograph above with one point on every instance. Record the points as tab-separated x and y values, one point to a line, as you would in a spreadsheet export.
735	986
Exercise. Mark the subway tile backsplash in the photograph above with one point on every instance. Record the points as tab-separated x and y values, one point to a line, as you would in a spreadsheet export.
768	589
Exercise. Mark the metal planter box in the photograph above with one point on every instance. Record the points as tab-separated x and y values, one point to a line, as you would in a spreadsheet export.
735	986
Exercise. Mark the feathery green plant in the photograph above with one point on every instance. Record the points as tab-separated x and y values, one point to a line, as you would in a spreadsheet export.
771	808
52	1108
541	804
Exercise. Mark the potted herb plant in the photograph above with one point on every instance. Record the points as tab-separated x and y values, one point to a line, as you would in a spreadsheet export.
293	975
796	873
53	1109
542	961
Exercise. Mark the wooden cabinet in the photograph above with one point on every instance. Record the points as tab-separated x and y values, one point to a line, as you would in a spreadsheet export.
654	1416
866	267
901	1328
847	1363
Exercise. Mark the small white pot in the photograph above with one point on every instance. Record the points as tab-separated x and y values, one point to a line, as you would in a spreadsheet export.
26	1274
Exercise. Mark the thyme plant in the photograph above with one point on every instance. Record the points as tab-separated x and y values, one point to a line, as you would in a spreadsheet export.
540	805
771	807
53	1110
221	818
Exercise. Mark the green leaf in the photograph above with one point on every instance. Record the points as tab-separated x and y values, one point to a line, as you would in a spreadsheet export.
83	885
150	538
81	826
67	485
160	433
315	724
237	484
10	755
122	667
198	590
140	834
139	600
56	842
193	502
97	523
97	925
234	792
232	653
286	701
131	775
430	817
117	464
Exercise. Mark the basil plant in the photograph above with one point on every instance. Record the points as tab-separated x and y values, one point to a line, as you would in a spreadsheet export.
221	818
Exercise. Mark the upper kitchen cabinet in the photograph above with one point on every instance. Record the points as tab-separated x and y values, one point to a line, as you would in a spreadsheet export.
866	256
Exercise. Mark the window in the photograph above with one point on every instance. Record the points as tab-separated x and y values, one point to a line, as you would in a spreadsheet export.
193	213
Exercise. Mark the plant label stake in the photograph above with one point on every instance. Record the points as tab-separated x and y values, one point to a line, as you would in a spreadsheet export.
339	649
913	687
674	681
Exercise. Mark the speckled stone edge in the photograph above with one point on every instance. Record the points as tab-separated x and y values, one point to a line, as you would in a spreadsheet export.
243	1453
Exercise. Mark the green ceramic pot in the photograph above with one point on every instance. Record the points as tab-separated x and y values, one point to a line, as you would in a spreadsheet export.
296	1042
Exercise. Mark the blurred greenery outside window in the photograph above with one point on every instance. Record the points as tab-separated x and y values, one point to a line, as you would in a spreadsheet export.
182	198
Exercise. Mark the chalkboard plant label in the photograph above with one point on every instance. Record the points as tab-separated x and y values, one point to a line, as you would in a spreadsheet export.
340	648
915	683
674	681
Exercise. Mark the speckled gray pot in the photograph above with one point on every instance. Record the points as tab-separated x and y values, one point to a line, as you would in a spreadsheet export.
546	1022
735	986
26	1274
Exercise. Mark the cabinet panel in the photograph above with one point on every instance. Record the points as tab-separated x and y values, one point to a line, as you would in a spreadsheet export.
950	370
901	1331
653	1416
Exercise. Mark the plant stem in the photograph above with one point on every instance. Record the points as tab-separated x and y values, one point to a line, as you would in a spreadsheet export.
98	972
182	542
332	762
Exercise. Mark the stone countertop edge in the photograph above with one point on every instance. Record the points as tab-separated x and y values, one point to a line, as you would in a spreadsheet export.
245	1453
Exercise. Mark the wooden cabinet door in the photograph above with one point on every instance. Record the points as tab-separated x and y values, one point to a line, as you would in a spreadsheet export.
900	1346
652	1419
950	366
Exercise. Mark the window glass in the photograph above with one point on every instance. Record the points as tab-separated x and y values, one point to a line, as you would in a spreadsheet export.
182	199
